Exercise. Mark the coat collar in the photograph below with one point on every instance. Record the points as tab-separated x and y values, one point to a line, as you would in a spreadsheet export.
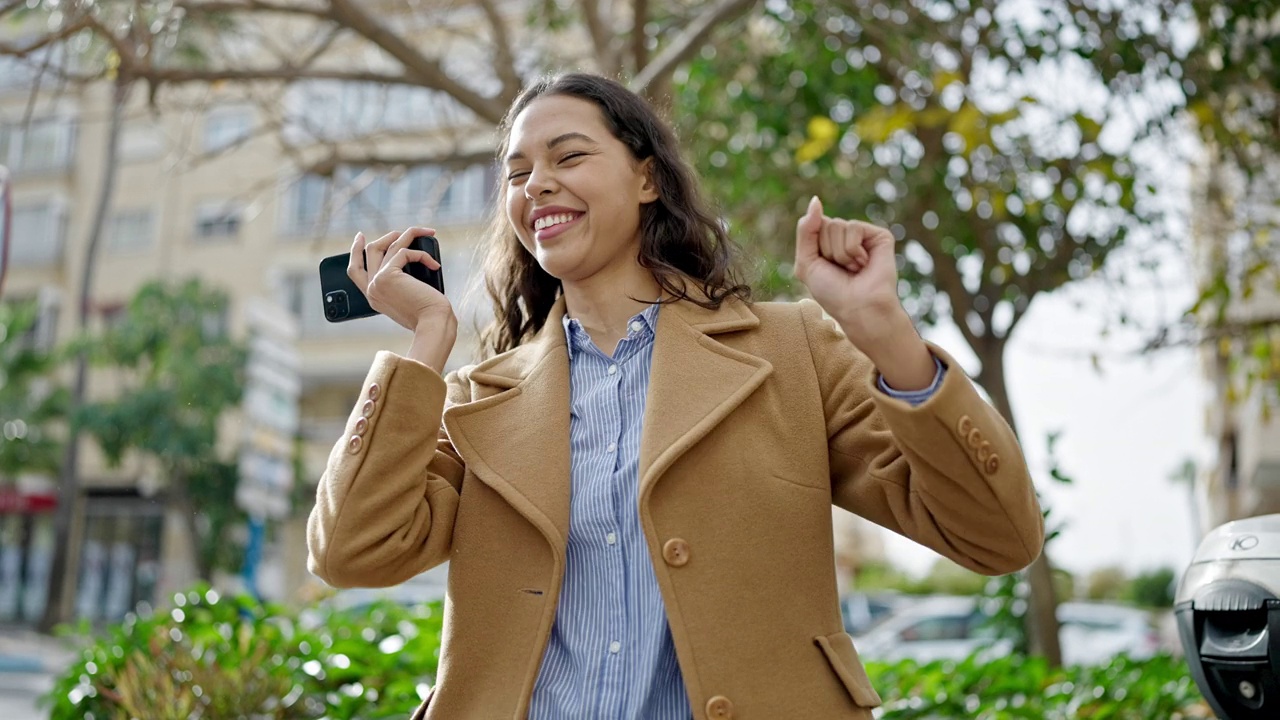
517	441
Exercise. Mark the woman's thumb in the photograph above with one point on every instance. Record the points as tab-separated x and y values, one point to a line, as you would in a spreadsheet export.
811	222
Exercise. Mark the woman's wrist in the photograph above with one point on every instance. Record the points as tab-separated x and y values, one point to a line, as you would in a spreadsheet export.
433	339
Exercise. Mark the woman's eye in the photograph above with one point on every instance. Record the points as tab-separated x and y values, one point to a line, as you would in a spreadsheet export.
513	177
572	155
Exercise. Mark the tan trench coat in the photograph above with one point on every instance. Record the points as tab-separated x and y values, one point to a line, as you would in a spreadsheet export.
758	418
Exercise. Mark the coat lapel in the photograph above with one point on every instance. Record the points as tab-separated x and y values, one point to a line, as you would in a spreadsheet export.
517	442
695	382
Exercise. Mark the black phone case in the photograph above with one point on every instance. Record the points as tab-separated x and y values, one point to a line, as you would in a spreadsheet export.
343	301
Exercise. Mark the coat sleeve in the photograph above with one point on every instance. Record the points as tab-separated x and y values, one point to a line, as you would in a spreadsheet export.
386	502
947	473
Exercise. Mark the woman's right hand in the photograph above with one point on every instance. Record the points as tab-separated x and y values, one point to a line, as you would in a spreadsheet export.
391	291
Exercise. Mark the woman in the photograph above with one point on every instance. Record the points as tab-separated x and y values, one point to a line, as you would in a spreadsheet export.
634	492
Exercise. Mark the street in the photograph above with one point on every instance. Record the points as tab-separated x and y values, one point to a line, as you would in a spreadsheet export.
18	693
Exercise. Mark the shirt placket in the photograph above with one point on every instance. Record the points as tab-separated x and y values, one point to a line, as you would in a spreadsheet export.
613	698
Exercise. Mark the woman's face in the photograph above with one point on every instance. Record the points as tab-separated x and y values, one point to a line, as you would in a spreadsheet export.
574	191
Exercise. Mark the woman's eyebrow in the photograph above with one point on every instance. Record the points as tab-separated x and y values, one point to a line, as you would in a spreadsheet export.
559	139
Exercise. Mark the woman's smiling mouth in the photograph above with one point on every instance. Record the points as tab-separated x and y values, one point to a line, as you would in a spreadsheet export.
549	226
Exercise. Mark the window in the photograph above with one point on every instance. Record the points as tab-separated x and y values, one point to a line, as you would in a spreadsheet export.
224	127
39	233
40	146
217	220
305	206
141	139
129	231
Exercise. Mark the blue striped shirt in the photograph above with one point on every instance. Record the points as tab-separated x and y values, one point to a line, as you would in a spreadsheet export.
610	654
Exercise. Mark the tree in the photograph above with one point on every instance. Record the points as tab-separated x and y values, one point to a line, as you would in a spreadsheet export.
31	404
471	62
182	374
942	121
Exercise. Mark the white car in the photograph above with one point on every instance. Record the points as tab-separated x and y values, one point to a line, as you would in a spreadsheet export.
953	628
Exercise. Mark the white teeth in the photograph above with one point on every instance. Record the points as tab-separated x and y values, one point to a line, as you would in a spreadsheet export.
547	221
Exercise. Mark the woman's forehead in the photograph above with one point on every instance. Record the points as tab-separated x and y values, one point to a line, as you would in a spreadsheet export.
552	116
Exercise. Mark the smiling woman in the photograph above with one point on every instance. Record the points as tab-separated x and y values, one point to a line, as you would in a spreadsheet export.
634	490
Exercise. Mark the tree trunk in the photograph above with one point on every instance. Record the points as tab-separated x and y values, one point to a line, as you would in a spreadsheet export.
1042	617
64	565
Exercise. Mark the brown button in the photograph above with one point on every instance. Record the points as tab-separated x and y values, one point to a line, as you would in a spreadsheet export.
984	451
676	552
719	708
374	391
964	426
993	464
367	409
362	424
353	445
975	438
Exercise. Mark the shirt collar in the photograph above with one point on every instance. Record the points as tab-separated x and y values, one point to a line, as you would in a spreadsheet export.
576	336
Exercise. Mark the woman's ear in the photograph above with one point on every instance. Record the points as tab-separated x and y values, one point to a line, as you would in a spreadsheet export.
648	188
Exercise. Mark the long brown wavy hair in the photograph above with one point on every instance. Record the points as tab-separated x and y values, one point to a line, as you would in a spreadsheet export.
682	241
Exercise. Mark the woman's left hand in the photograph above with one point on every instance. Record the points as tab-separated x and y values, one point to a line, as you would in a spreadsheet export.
850	270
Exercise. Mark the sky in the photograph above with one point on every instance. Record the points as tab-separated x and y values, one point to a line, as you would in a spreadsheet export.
1124	430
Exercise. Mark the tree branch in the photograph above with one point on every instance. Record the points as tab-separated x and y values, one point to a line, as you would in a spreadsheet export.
229	6
178	76
427	71
22	51
600	37
504	61
688	42
639	41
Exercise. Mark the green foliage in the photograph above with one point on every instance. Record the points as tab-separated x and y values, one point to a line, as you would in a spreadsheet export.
180	374
30	401
1018	687
1154	588
232	658
940	123
263	661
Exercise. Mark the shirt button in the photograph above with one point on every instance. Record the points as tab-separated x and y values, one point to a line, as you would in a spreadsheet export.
615	646
637	326
613	447
613	369
611	538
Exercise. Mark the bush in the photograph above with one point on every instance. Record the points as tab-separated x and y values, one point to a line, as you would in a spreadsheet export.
1025	688
214	658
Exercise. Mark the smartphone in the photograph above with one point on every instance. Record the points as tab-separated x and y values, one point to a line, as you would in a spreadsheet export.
343	300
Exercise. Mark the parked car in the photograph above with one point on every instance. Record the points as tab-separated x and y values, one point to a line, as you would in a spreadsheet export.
863	611
952	628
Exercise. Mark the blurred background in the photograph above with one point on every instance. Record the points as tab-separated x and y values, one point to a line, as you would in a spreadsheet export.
1084	191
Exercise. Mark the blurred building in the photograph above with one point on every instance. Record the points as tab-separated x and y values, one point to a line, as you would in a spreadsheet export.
204	192
1235	229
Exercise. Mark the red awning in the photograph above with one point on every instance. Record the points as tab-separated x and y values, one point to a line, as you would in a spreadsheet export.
13	500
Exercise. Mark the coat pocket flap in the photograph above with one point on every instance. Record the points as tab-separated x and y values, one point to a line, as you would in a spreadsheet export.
848	667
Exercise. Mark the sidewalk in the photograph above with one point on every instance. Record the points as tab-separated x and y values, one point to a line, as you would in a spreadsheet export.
29	662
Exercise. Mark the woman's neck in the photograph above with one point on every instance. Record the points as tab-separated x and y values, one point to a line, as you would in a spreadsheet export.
603	302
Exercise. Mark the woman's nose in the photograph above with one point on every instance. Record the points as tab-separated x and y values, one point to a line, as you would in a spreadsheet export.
539	183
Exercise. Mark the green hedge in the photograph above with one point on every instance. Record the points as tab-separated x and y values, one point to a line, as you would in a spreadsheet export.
215	658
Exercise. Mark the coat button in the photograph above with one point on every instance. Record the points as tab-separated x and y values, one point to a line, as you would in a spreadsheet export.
362	424
676	552
975	438
964	426
374	391
367	409
984	451
719	708
353	445
993	464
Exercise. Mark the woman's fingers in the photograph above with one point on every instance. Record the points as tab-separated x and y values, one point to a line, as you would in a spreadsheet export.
355	265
